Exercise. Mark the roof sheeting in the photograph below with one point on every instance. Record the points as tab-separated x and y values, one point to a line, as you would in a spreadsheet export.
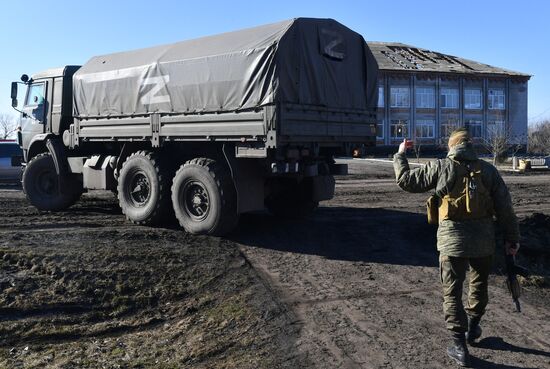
397	56
301	61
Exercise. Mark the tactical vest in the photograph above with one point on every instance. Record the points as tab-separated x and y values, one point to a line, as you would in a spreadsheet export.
468	199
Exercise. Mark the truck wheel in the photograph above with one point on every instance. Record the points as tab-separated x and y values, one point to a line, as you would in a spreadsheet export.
204	198
41	185
293	201
143	189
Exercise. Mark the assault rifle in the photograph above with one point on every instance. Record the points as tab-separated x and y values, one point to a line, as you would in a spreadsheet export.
512	271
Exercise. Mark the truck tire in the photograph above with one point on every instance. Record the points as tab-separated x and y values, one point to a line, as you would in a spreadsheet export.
204	198
143	189
41	185
294	202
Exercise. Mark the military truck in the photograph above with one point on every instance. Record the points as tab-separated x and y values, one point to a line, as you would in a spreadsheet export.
204	129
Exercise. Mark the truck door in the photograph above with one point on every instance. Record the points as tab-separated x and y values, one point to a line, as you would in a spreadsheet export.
33	122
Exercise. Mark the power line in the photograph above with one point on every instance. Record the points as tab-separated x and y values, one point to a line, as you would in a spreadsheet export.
539	115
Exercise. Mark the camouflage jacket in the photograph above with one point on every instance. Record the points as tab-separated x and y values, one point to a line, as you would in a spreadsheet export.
470	238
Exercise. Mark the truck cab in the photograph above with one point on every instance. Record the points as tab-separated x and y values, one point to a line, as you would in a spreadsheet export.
46	107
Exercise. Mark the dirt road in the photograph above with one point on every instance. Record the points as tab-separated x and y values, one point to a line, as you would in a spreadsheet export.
355	286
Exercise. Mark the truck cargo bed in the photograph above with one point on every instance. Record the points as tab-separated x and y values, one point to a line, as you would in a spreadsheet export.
290	123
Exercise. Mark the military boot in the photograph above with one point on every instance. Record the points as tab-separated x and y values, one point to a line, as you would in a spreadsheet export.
474	330
458	351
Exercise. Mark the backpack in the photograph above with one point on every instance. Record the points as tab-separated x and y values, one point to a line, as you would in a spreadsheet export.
468	199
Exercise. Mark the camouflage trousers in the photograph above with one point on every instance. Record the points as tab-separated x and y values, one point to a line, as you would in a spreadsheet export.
453	272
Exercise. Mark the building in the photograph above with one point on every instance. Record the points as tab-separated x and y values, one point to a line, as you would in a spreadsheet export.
424	95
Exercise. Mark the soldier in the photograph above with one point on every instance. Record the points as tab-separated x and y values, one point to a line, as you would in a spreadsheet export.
469	194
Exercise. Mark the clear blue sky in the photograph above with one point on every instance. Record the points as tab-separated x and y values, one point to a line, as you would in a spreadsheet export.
37	35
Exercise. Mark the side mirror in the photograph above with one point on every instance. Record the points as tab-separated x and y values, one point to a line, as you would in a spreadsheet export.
14	102
14	90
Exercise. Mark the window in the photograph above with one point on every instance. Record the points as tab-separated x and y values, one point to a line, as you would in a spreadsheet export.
449	98
425	97
495	129
424	128
57	91
35	95
400	97
496	99
399	128
472	98
380	128
380	96
448	126
474	127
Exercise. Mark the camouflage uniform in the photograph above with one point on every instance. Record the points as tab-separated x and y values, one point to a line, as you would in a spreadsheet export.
462	244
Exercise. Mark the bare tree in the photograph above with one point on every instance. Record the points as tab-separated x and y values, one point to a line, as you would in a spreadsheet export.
8	126
539	138
500	139
417	146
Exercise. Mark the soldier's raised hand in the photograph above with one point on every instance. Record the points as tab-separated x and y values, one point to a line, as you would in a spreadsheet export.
403	147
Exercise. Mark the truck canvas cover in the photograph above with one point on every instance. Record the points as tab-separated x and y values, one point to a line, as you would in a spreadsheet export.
302	61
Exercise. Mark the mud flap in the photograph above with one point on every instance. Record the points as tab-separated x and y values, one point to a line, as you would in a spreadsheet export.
247	179
55	147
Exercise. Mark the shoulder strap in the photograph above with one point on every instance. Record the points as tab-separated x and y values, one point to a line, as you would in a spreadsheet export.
447	179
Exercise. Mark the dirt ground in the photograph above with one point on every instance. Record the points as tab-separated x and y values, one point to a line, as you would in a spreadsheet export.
354	286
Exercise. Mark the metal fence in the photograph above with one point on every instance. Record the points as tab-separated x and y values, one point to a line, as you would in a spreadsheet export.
537	161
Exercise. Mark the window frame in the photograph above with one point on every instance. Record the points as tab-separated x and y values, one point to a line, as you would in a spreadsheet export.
501	130
28	94
421	94
454	96
474	122
395	91
444	128
420	123
406	124
380	123
491	96
57	96
468	96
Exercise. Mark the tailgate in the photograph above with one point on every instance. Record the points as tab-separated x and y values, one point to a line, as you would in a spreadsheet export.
317	124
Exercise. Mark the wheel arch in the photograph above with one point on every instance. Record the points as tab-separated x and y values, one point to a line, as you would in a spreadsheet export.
37	145
50	143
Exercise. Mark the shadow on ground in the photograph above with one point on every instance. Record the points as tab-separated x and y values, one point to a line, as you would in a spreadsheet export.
371	235
498	344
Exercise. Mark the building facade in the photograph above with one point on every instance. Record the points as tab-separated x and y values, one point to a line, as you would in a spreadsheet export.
424	95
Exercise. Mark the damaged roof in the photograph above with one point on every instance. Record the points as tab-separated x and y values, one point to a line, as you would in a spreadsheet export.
401	57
